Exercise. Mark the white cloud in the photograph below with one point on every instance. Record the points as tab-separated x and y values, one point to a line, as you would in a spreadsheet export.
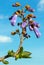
40	5
3	16
5	39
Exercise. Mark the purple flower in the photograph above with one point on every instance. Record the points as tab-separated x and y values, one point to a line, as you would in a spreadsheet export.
30	26
24	24
36	24
31	10
36	31
31	29
13	20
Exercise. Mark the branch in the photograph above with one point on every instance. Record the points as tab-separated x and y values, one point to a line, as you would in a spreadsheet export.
21	41
11	53
20	54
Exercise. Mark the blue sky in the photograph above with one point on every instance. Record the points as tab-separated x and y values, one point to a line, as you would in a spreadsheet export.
9	42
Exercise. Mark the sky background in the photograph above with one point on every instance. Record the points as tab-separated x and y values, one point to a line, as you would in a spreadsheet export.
9	42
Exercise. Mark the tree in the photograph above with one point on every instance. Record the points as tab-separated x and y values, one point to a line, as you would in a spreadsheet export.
26	22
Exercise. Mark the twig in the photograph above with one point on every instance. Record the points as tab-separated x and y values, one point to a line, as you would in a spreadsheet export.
21	41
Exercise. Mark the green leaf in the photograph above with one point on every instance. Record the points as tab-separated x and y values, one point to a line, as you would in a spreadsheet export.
17	56
26	54
11	53
23	54
21	50
5	62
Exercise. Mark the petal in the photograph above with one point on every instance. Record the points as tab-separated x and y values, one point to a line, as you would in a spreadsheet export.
37	33
36	24
13	20
23	24
13	23
31	29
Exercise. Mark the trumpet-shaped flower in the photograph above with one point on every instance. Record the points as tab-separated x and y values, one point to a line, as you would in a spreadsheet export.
13	19
24	24
36	24
31	29
33	26
36	31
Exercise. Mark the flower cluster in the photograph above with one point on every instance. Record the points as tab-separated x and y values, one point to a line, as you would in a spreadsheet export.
26	20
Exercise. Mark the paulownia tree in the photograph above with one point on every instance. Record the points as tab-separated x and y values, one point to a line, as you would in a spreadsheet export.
27	21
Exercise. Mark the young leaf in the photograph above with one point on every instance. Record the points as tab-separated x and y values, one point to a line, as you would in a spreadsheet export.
26	54
5	62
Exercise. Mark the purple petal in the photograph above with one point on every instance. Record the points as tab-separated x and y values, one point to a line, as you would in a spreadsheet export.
23	24
36	24
13	23
13	20
31	29
37	33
